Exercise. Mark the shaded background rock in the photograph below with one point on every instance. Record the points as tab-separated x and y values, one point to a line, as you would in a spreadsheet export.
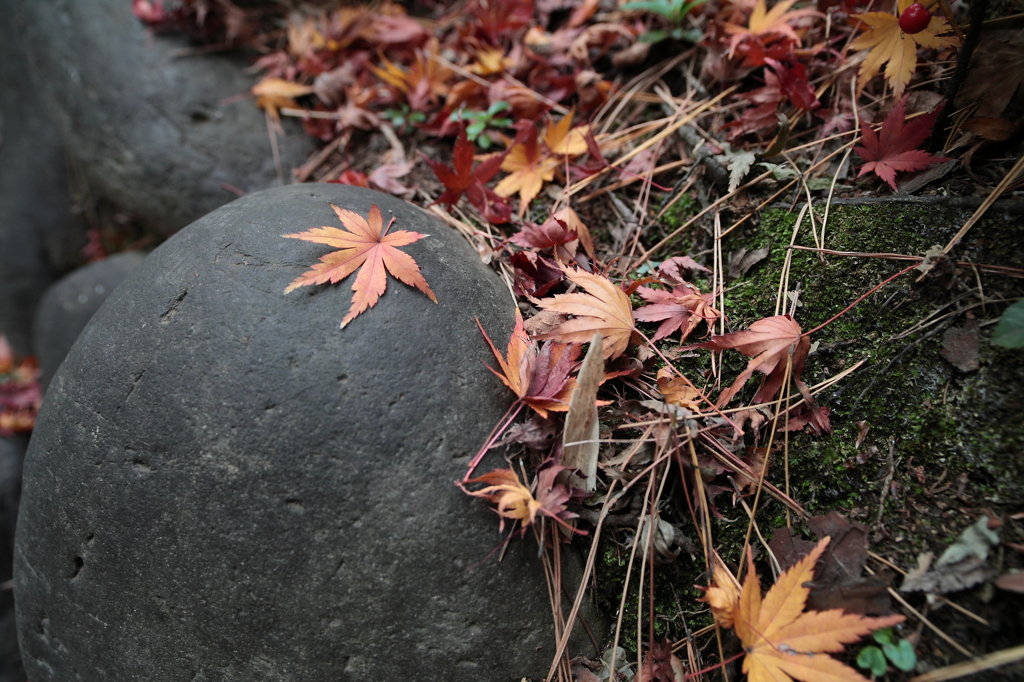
39	237
222	485
68	305
151	132
12	451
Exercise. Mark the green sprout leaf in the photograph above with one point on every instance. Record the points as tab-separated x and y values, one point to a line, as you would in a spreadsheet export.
883	636
1009	332
871	658
902	655
662	7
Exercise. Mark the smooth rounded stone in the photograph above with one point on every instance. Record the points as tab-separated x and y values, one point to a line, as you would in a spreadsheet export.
69	304
39	237
224	485
162	137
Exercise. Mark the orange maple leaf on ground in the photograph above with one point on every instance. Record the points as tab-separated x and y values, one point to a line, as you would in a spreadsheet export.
362	244
516	502
767	343
604	308
888	43
783	642
538	376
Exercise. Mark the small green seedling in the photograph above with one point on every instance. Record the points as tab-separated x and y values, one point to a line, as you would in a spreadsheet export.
1009	332
480	121
402	118
674	11
900	654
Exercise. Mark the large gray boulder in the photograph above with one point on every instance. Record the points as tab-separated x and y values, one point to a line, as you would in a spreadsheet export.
224	485
162	137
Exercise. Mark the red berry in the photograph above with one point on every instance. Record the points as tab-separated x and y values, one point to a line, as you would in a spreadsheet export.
915	19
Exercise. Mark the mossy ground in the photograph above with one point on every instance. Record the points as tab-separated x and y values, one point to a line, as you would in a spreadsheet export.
957	437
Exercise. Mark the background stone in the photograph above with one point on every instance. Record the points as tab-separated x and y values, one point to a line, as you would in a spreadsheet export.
222	485
68	305
12	451
151	132
39	238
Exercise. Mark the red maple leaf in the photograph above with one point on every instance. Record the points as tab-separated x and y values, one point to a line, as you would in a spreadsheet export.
768	343
895	149
781	82
494	21
673	269
464	179
553	234
539	376
682	308
535	275
363	245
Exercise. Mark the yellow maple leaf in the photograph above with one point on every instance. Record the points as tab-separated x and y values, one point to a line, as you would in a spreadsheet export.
273	94
423	82
529	168
781	641
604	308
517	502
491	61
767	25
513	499
562	139
678	391
724	594
532	164
889	45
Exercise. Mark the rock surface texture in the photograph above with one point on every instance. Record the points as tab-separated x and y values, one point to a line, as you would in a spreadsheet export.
68	305
223	485
151	132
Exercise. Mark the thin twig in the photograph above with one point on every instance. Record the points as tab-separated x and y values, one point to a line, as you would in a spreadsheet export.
991	199
977	665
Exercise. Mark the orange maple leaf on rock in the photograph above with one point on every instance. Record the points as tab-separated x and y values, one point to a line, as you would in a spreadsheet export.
783	642
604	308
362	244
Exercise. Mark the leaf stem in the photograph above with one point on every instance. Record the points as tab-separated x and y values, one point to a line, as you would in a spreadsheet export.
716	666
497	431
861	298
